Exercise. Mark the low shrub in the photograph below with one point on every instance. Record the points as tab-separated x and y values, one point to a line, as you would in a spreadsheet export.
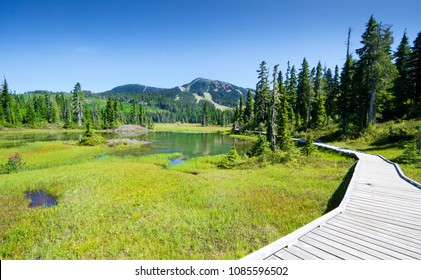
90	138
14	164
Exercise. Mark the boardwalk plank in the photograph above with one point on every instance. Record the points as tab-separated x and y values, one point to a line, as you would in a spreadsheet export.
363	235
343	240
327	248
365	242
315	251
300	253
414	216
385	225
382	203
285	255
341	246
379	218
386	233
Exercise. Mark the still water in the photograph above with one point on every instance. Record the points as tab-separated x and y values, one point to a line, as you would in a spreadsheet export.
188	144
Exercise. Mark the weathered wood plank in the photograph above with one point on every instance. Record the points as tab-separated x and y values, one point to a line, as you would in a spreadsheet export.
383	203
315	251
285	255
273	258
385	218
346	240
300	253
385	233
377	240
383	224
365	242
327	248
341	246
411	235
414	216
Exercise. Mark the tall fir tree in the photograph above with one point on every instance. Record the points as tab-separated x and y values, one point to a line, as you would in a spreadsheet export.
375	69
318	112
248	110
205	114
402	85
262	98
30	116
78	107
415	77
241	110
6	103
271	121
283	122
304	91
96	115
133	113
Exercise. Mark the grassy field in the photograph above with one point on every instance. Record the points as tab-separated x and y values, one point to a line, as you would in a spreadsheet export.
115	206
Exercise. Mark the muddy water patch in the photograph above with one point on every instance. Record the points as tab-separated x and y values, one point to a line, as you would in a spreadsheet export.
41	198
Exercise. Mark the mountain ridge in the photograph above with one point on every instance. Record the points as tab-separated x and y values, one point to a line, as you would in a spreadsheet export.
219	92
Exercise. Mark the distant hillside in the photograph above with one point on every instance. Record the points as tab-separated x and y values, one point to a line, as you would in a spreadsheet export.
221	94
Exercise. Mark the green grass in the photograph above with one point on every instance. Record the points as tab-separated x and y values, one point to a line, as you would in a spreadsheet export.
128	207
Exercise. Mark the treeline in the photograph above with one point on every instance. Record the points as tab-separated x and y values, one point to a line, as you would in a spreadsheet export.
103	111
167	107
65	110
378	85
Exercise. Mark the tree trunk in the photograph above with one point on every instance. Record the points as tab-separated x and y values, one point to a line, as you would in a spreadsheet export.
371	107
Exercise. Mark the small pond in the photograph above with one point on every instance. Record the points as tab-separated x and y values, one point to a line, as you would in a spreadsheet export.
40	198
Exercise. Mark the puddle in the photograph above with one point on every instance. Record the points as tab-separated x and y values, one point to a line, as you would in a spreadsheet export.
176	161
40	198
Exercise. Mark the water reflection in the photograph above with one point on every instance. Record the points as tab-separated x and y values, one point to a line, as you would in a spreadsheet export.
189	144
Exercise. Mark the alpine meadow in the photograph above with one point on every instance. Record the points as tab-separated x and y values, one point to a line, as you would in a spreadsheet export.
206	170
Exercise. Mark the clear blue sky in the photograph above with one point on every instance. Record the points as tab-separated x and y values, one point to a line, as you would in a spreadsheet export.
52	44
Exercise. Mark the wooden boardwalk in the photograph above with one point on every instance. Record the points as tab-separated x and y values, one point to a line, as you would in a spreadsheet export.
378	218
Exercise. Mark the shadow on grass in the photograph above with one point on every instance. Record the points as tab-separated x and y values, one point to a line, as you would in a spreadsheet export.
339	193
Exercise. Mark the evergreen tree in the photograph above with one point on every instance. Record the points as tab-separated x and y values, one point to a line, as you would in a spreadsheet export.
109	118
78	104
6	103
375	70
262	98
283	122
29	118
240	110
402	83
415	77
304	90
95	115
344	104
332	95
205	114
142	115
67	113
133	113
318	113
248	111
291	88
271	122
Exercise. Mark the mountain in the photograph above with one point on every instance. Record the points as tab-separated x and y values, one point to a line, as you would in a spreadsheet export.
135	88
221	94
